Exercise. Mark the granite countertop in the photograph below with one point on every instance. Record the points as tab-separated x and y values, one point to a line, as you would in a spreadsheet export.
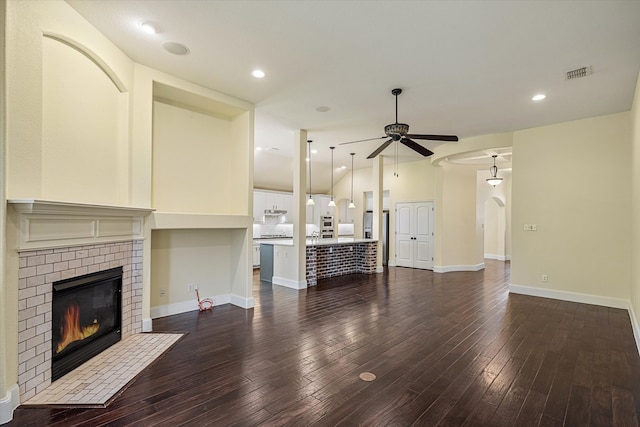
318	242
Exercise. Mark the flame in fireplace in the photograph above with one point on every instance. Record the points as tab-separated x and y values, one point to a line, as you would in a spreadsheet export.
71	330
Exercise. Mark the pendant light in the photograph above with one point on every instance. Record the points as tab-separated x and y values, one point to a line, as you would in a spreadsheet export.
332	203
494	180
310	201
351	205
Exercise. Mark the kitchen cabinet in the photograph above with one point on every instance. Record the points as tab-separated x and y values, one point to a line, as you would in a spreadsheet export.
272	200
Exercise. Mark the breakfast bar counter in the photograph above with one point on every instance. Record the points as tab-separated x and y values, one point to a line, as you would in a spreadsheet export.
334	257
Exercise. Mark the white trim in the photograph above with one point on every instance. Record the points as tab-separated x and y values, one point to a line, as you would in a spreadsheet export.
451	268
185	306
497	257
9	403
147	324
241	301
380	269
635	326
392	263
293	284
570	296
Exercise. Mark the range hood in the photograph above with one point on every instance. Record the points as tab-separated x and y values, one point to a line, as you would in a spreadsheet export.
274	212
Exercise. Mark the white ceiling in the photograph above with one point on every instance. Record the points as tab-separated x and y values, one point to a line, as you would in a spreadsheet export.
466	67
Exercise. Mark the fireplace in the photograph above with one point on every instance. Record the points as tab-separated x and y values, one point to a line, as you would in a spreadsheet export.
86	318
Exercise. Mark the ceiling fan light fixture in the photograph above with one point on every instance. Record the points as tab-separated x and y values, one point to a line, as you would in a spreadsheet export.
493	170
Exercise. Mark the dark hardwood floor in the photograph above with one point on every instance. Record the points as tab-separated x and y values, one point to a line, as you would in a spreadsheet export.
447	349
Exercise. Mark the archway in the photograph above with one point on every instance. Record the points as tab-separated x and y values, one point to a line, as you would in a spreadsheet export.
495	229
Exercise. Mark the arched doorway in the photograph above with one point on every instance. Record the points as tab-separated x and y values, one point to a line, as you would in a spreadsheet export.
495	225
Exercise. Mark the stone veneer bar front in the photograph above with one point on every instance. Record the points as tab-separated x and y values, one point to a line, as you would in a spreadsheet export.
337	259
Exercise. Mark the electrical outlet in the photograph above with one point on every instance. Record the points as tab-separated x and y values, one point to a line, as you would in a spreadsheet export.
191	287
534	227
545	278
163	293
527	227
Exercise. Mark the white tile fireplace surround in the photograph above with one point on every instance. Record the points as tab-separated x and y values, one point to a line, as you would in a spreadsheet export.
38	270
59	241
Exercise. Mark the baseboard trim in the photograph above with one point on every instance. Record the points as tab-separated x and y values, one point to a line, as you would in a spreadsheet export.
570	296
185	306
452	268
634	326
497	257
392	263
241	301
9	403
380	269
288	283
147	325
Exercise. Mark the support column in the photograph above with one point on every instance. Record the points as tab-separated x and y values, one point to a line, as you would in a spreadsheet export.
378	167
299	206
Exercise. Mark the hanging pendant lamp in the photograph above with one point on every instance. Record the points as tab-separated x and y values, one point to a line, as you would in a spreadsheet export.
332	203
310	201
351	205
494	180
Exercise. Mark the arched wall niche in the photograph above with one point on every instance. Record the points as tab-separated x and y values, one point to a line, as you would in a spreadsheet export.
102	65
85	126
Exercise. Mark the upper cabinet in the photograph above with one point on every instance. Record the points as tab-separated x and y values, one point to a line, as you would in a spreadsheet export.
272	200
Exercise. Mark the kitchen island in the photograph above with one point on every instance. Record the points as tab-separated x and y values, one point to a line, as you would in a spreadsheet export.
334	257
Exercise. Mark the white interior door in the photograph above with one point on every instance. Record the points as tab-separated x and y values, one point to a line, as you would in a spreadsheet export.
414	235
404	237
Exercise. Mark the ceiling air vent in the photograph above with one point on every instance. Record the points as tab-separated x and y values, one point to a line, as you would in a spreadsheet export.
579	72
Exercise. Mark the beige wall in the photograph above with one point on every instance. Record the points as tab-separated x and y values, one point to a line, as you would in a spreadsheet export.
635	199
78	128
574	181
185	146
182	257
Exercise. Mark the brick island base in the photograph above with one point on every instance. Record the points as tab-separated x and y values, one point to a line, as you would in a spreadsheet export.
337	259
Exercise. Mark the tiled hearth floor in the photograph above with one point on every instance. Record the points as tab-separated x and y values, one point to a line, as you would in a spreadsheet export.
104	376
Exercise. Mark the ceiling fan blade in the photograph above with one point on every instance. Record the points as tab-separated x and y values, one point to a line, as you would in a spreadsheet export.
380	149
433	137
362	140
416	147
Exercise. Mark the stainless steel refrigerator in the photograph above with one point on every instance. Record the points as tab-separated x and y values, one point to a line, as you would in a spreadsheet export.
368	233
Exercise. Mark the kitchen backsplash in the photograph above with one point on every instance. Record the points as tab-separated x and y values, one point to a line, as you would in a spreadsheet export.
286	230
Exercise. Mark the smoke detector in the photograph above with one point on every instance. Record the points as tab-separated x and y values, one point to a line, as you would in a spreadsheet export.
579	72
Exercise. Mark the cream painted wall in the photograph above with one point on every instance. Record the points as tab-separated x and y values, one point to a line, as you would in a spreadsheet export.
456	225
573	180
84	130
27	21
180	257
492	223
187	171
635	200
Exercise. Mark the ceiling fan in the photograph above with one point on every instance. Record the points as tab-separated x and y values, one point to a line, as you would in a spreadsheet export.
399	132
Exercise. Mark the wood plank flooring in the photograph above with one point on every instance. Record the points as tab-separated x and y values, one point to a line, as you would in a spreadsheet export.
447	349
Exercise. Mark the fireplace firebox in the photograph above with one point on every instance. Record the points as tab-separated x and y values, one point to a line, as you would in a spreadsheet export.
86	318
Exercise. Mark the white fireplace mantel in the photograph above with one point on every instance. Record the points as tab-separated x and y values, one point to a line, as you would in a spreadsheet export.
45	224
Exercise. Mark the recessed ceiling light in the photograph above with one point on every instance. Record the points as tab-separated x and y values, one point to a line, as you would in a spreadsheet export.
314	151
306	160
258	148
343	167
258	74
539	97
175	48
149	27
322	109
